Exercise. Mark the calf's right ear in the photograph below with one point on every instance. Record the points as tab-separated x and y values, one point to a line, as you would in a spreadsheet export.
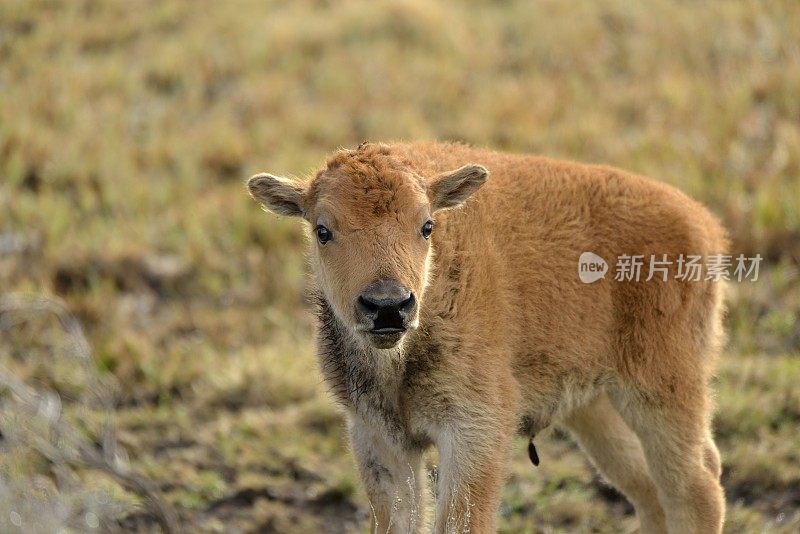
278	195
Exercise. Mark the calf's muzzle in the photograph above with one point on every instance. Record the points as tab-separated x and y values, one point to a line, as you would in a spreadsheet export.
387	305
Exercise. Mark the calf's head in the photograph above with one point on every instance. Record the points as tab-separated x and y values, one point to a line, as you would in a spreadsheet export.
371	220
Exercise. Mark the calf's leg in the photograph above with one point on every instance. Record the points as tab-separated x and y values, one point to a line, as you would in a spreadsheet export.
472	467
712	460
617	454
681	457
393	478
473	455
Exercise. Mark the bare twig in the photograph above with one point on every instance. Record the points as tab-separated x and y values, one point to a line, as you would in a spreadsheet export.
62	445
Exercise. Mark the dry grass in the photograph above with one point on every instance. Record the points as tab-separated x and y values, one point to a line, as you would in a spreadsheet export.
127	128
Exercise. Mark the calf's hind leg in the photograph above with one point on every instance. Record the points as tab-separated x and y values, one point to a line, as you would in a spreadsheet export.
617	453
675	437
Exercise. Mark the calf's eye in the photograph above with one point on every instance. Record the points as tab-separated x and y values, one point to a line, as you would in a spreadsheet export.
427	228
323	234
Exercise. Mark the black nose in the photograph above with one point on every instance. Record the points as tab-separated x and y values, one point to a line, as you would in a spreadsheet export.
388	304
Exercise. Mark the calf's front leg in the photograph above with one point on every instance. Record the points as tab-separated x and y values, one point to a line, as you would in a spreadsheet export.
472	466
393	479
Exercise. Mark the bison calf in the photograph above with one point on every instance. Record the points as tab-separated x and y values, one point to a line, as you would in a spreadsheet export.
452	313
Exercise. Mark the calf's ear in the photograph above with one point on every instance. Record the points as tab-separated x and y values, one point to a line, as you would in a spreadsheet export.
279	195
452	188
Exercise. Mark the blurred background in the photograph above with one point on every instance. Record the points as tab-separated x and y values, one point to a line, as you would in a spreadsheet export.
155	343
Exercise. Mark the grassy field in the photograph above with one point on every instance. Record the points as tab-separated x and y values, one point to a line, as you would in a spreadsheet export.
127	129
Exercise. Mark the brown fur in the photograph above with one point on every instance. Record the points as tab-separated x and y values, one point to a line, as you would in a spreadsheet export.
507	338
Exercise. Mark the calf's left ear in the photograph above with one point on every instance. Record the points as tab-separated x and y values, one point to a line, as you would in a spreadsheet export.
452	188
279	195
